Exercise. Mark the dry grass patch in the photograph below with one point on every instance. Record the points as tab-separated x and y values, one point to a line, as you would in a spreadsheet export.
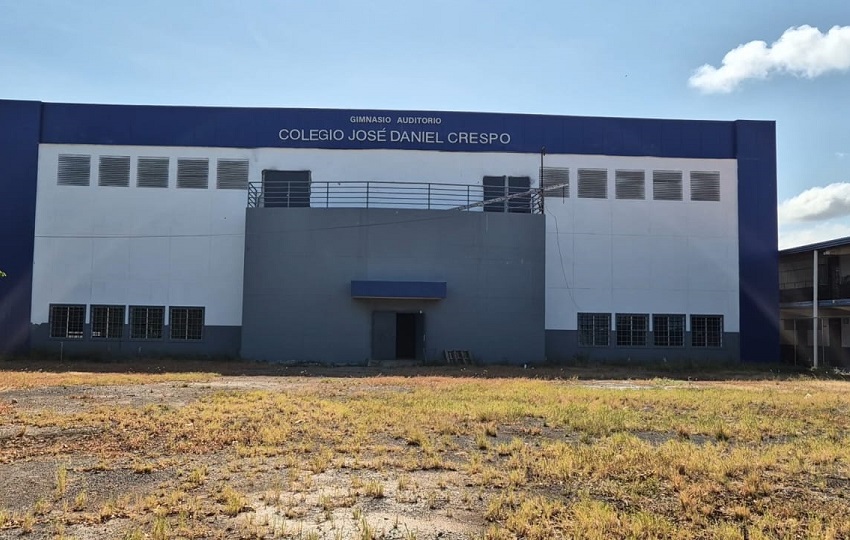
494	458
11	379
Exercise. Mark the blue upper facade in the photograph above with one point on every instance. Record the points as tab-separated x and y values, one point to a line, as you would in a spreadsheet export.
362	129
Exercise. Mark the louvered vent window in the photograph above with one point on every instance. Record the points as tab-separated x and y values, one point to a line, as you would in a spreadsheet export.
193	173
152	172
74	170
630	184
114	171
667	185
554	176
592	184
232	174
705	186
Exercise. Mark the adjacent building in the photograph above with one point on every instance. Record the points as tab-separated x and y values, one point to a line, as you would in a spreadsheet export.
814	291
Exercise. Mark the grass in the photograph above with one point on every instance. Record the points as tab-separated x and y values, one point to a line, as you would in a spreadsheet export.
25	379
521	458
232	500
61	480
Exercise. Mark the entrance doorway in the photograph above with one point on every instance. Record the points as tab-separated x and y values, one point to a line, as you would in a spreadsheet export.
398	335
405	336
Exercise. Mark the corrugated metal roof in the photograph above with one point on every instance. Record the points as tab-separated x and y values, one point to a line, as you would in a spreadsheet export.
828	244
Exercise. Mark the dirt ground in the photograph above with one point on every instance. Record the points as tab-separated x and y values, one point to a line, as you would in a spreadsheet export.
77	462
31	455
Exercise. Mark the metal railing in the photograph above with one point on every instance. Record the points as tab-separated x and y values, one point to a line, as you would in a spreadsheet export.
413	195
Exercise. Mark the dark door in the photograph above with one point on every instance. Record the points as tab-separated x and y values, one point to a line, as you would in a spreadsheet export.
494	187
383	335
405	336
286	189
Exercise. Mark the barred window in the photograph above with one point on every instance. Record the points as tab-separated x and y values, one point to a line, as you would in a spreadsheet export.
67	321
668	330
631	330
594	329
107	322
146	322
186	322
706	330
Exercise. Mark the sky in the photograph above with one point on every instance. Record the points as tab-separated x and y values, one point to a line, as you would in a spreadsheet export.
781	60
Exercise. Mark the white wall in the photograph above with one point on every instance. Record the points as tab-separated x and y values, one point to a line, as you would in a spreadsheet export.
629	256
137	246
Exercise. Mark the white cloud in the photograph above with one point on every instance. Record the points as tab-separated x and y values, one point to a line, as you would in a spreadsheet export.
817	204
802	51
810	235
841	155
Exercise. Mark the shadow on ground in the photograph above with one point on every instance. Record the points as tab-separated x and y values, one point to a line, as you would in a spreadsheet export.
234	367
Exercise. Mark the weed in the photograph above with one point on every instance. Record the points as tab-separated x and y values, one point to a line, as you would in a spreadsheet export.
134	534
27	523
415	437
232	500
161	528
375	489
198	476
403	482
41	507
80	501
481	441
59	531
721	433
61	480
366	530
141	467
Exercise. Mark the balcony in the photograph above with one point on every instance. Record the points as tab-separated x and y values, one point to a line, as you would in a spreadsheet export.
400	195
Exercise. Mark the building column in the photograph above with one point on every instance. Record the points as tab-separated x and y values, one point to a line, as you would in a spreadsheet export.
815	322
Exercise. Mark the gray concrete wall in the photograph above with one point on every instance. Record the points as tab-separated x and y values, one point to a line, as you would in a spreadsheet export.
299	264
217	341
562	347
